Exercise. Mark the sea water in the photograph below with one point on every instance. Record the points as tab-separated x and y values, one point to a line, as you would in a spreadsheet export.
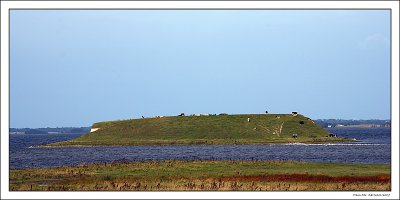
373	147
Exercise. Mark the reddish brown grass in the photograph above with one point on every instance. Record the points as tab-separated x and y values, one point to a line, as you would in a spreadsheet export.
308	178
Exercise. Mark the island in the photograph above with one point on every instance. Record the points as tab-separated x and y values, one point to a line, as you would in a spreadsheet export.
205	129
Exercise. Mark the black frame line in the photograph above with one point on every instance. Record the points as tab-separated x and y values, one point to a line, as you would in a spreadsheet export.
194	9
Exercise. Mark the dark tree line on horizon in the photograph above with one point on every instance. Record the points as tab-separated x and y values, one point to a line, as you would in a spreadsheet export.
48	129
348	122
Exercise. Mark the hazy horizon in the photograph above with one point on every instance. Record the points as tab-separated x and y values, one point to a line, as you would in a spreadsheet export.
72	68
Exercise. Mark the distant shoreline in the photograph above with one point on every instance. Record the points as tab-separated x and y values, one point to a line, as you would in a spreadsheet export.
358	126
46	133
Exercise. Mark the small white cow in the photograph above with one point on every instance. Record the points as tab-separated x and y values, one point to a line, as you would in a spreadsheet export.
94	129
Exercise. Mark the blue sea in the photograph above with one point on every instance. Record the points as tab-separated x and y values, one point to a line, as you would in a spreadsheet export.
373	147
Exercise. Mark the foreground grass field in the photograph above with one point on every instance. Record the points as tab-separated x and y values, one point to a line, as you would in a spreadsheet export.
218	129
206	175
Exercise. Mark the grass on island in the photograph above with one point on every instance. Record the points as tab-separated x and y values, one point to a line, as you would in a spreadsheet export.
205	175
218	129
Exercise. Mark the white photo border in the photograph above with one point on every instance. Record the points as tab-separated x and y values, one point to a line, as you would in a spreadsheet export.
7	5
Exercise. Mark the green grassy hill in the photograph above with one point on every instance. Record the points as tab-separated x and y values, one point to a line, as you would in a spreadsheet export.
218	129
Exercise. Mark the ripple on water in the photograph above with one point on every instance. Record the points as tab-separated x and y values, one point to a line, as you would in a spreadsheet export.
373	148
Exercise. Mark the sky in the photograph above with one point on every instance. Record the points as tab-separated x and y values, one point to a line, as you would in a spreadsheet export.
78	67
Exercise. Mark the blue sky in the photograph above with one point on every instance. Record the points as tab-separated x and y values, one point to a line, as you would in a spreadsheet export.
74	68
